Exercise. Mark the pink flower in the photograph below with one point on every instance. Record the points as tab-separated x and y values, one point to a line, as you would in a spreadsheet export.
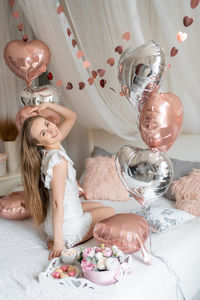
107	252
98	249
86	265
89	252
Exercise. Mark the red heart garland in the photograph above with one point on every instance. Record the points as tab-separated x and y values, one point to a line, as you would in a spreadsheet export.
194	3
173	52
73	43
119	49
69	31
101	72
103	83
81	85
94	74
91	80
187	21
50	76
69	86
111	61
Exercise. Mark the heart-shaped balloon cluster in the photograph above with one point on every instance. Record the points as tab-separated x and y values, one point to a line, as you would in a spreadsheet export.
28	60
147	173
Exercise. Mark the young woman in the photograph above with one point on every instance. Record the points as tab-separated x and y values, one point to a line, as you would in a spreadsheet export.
50	185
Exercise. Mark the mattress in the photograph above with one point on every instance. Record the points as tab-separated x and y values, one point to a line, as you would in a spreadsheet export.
23	255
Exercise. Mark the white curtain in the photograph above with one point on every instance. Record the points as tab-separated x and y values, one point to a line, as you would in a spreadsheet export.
98	26
10	85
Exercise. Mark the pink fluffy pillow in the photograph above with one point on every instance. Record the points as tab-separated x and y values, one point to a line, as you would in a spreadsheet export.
101	180
187	192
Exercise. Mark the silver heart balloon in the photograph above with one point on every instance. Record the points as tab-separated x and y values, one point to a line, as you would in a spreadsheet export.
35	96
140	72
146	174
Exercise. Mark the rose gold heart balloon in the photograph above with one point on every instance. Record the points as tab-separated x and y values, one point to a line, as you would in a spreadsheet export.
27	59
13	207
127	231
160	120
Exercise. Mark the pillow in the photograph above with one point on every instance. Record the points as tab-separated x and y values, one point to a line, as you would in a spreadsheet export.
181	168
101	180
163	219
187	192
100	152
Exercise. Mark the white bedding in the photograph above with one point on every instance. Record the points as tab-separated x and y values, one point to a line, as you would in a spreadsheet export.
23	256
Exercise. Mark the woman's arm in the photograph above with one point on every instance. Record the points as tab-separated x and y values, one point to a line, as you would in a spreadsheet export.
58	190
68	115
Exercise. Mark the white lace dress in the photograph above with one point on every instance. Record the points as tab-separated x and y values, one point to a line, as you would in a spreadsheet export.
76	224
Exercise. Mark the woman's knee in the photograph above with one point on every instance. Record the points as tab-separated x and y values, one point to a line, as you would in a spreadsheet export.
110	211
101	213
90	205
97	204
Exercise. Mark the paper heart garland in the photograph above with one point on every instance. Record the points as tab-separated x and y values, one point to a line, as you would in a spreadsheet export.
101	72
194	3
111	61
181	36
69	86
126	36
94	74
174	51
119	49
187	21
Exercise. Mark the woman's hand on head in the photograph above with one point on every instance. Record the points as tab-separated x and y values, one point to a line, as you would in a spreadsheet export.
56	250
39	108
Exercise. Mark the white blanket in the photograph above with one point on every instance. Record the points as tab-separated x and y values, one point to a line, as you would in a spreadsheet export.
23	255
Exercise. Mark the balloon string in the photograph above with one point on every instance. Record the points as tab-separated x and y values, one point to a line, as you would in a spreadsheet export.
147	213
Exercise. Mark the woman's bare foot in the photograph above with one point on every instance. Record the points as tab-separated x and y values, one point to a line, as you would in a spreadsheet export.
50	245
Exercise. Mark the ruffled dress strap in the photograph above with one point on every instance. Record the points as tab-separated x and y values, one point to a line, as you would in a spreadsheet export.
51	159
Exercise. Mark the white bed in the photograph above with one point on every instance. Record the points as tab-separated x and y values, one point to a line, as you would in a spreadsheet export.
23	253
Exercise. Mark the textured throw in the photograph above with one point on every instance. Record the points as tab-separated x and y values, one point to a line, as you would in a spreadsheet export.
187	193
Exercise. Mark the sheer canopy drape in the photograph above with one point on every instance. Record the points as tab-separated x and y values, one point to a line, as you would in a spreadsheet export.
10	85
98	26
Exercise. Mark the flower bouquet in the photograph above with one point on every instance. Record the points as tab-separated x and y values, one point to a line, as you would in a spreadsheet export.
102	264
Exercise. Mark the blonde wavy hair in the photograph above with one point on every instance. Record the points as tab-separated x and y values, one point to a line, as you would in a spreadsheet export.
36	195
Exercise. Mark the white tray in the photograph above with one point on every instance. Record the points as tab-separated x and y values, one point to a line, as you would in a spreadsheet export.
46	278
